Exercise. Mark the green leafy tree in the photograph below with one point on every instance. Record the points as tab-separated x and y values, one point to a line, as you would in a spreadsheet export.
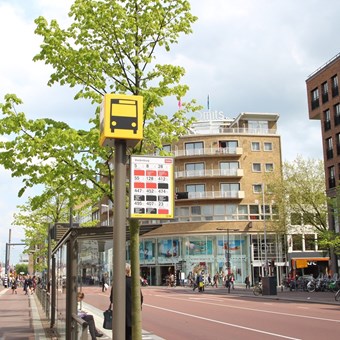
110	47
300	191
21	268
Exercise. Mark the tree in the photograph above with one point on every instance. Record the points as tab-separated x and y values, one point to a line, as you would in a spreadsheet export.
110	47
300	192
21	268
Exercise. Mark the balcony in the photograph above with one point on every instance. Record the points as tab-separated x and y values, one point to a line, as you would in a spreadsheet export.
209	173
208	151
209	195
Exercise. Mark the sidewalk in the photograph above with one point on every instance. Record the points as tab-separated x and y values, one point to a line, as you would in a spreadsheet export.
282	294
22	317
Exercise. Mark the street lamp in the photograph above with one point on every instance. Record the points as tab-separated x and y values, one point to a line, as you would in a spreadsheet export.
264	233
108	212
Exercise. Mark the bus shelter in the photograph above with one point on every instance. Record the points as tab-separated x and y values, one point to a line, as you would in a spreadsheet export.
81	257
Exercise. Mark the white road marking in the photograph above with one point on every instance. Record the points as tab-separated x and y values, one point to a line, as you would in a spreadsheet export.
224	323
255	309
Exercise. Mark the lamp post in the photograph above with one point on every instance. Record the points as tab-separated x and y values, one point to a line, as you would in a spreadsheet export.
108	212
264	233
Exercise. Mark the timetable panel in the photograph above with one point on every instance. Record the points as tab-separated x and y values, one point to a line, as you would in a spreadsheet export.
151	187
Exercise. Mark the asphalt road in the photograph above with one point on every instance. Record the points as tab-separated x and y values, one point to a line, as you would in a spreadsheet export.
183	314
179	313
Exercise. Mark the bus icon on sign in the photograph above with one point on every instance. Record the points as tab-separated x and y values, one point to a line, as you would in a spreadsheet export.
124	114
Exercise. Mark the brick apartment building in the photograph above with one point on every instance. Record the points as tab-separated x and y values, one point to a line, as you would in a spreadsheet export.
324	105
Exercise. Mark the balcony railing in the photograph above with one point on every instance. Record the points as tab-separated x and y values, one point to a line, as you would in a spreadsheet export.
208	151
209	173
211	195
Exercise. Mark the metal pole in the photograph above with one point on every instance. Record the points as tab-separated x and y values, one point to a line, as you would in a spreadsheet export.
228	261
119	242
9	249
264	233
6	258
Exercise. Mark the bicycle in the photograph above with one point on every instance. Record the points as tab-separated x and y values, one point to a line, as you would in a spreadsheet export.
257	290
337	295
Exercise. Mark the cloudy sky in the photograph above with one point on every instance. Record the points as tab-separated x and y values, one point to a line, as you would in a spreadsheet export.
247	55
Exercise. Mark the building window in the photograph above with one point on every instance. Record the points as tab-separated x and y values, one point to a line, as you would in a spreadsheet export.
268	146
229	168
255	146
337	114
337	141
194	169
329	148
167	148
309	242
327	119
256	167
297	242
331	177
315	98
230	189
207	212
242	212
254	212
258	126
335	86
324	88
228	146
257	188
269	167
195	190
195	148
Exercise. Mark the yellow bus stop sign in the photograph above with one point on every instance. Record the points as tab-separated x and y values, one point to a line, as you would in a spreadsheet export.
121	117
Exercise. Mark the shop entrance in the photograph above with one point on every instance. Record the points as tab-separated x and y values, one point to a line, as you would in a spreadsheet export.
149	273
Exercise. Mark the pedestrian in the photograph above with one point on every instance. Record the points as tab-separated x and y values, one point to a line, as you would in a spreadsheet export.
26	285
200	282
34	284
247	282
14	285
30	284
128	301
88	318
104	284
232	280
215	280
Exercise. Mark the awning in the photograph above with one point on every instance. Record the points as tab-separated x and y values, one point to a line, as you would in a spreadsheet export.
304	261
